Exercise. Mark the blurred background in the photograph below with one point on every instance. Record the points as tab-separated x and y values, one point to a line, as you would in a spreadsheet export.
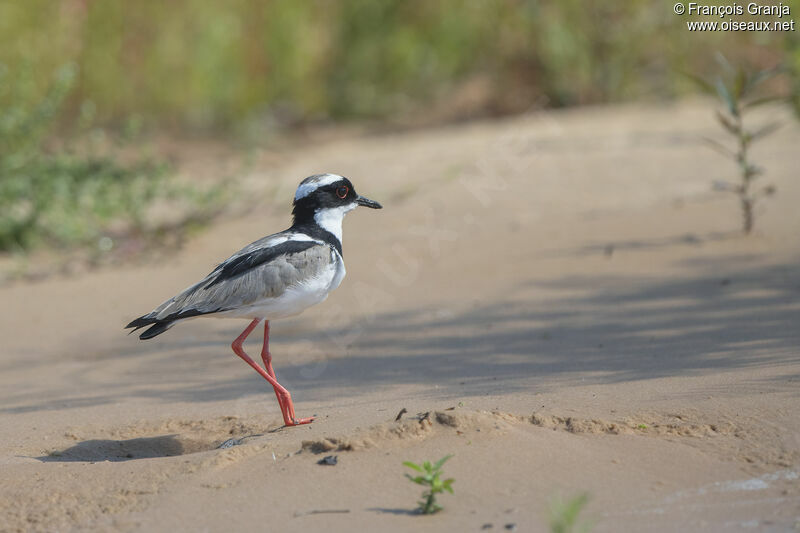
591	214
91	90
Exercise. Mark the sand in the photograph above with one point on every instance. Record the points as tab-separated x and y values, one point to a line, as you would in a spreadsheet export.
559	300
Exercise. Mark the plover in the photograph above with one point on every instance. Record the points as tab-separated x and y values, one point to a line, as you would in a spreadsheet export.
274	277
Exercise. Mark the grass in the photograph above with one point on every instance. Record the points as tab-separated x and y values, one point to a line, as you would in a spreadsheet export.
246	69
736	89
65	196
564	515
430	477
250	67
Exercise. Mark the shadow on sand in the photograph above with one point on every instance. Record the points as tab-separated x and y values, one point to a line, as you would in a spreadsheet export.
406	512
120	450
590	328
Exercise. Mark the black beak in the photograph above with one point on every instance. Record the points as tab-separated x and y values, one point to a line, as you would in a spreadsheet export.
366	202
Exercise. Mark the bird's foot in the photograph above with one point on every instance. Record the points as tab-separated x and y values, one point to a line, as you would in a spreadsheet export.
298	421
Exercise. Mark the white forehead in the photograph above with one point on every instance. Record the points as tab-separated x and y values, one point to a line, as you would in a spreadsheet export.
311	184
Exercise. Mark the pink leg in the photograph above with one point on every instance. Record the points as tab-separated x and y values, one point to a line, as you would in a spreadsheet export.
265	355
267	358
284	398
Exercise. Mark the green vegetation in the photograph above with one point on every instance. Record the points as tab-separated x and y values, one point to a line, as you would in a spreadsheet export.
250	66
247	68
736	89
430	477
564	515
65	197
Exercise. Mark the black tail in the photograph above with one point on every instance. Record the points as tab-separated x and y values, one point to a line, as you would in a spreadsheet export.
157	327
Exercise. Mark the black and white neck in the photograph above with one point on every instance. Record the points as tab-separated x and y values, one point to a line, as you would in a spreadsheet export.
320	204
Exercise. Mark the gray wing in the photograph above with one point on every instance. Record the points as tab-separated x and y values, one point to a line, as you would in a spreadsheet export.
262	270
269	279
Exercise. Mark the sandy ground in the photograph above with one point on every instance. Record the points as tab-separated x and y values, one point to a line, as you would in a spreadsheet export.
561	293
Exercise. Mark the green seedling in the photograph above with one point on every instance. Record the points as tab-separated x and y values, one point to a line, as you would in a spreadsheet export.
564	515
735	88
430	476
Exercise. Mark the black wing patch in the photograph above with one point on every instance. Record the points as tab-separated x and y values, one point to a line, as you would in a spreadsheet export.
159	326
239	265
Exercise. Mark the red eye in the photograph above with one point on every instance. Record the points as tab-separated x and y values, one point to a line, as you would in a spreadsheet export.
342	191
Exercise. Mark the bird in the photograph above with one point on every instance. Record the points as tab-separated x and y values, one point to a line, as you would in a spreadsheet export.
274	277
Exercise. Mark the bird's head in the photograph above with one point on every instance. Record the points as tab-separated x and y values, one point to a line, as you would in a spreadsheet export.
325	198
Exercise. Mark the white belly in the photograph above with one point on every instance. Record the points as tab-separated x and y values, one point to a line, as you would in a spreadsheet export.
295	299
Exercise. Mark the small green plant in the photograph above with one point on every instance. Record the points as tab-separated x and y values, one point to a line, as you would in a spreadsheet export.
564	515
57	195
430	476
735	88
